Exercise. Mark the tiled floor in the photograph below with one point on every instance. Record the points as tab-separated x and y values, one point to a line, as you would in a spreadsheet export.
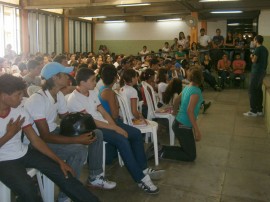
232	165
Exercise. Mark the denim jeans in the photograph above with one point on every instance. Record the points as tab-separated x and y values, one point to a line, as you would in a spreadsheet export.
223	76
131	149
187	149
255	92
75	155
13	175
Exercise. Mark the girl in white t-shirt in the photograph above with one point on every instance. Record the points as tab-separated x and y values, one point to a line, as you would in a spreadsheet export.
130	79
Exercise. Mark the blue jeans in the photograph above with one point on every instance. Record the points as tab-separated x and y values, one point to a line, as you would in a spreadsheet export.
131	149
13	174
187	149
255	92
223	76
75	155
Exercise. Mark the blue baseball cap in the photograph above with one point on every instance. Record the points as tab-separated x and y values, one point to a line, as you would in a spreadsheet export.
177	65
53	68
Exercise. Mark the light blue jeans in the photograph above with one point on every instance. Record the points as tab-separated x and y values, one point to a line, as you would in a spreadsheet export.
76	154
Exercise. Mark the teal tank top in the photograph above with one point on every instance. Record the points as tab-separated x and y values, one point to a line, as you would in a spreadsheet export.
104	103
182	115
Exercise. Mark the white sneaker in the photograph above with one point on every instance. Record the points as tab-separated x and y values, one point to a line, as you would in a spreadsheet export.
260	113
102	183
250	114
154	174
147	185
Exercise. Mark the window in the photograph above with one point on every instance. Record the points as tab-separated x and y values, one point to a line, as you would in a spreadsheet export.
45	32
9	29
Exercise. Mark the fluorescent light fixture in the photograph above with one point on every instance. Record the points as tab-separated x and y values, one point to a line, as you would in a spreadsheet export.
225	12
171	19
130	5
86	18
98	17
233	24
208	1
114	21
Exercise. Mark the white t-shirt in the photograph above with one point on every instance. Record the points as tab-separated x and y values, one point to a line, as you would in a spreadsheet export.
204	40
14	148
116	64
130	93
161	89
183	42
78	102
42	106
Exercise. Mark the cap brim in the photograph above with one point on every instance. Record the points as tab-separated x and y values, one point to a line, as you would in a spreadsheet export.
68	70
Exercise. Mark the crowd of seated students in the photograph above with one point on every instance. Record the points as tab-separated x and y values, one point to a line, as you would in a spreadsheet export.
166	73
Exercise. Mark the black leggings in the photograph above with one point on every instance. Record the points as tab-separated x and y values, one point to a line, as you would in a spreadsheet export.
187	149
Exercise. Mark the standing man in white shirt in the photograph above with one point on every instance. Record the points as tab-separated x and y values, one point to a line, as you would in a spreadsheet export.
204	44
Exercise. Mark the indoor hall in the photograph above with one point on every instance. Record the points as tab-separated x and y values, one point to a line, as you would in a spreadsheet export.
232	157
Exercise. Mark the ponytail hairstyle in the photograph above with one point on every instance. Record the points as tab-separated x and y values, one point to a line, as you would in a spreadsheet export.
175	86
147	74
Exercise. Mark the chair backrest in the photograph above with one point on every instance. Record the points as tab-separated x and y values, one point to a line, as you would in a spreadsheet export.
146	85
150	104
124	109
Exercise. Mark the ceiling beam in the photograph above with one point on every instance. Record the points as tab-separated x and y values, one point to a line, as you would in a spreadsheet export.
108	11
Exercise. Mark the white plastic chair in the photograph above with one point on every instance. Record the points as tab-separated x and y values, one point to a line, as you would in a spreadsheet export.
152	110
46	187
151	126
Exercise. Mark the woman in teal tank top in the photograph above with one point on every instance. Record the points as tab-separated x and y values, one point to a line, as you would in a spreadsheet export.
185	120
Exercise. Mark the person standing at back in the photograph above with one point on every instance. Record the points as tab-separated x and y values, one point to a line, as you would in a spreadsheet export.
259	64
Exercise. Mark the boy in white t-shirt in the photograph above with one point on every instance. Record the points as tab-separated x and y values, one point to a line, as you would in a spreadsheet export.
44	106
15	156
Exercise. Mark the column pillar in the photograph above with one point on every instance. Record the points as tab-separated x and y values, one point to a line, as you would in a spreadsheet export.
194	30
204	25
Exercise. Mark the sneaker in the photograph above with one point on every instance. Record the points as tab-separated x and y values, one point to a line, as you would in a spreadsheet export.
206	106
150	151
102	183
154	174
147	185
259	113
250	114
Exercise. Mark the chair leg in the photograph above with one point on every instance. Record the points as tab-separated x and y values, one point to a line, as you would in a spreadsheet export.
46	187
155	142
172	136
104	157
4	193
121	163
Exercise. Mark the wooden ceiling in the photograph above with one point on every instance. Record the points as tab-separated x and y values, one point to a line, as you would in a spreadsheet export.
159	9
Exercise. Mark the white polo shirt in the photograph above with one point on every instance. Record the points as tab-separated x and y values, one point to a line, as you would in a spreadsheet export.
77	102
130	93
14	148
42	106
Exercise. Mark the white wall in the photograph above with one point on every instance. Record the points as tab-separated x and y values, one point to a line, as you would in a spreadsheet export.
264	23
140	30
212	26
